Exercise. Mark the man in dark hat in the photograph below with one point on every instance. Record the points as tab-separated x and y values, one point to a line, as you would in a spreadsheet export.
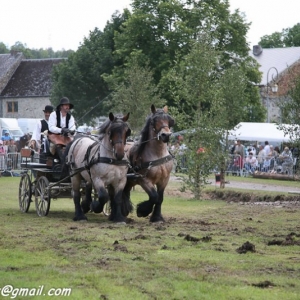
37	139
61	122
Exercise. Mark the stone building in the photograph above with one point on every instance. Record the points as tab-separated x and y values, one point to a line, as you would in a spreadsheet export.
279	66
25	85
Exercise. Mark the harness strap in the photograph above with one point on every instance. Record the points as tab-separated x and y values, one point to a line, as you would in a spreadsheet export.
154	163
104	160
88	151
107	160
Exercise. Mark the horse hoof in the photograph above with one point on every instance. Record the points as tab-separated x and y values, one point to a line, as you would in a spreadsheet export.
140	215
81	219
157	220
144	209
96	207
120	223
85	206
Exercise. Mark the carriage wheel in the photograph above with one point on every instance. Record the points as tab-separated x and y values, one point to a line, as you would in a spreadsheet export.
106	208
42	196
25	193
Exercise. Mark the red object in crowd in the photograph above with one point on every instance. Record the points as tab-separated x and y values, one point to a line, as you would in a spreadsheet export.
200	150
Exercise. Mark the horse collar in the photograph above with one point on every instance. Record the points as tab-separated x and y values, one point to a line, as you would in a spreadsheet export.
154	163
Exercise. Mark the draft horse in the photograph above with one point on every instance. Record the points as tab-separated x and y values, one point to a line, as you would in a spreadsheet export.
101	164
151	163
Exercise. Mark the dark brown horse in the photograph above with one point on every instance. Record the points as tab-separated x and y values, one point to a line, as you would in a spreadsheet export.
151	163
23	142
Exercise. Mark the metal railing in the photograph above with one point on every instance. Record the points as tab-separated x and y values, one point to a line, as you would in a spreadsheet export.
13	160
239	166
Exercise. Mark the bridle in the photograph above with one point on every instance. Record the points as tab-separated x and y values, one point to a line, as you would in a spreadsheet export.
113	143
158	131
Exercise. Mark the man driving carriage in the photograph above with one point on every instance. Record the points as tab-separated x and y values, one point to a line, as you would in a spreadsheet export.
61	126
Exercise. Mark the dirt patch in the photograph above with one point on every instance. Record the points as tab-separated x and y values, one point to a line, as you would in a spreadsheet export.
246	247
251	198
290	240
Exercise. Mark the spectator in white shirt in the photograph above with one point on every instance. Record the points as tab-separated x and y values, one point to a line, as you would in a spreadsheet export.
37	138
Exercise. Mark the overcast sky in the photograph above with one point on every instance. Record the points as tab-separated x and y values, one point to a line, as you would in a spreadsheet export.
63	24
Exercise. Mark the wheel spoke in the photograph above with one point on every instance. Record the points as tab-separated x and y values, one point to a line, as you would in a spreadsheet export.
25	193
42	196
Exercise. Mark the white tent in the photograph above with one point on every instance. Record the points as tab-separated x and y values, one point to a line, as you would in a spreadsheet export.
260	132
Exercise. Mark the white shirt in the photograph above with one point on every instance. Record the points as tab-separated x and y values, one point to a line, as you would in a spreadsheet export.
53	122
267	149
36	135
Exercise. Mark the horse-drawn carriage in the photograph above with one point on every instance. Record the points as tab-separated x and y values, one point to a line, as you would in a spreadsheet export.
42	181
103	170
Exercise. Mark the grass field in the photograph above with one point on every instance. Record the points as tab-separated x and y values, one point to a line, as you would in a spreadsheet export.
195	254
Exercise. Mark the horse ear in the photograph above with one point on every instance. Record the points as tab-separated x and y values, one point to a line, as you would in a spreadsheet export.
165	109
128	133
111	116
171	122
153	109
125	118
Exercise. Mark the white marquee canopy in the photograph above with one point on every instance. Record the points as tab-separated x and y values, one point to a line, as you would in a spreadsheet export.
260	132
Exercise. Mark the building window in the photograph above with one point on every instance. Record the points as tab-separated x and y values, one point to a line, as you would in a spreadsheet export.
12	107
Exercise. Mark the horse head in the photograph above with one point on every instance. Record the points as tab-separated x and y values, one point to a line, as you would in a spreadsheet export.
161	123
118	132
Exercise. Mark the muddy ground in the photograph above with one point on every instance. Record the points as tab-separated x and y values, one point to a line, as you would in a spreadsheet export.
280	199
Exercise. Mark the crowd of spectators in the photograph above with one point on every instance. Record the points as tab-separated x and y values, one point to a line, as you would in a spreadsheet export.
8	153
262	158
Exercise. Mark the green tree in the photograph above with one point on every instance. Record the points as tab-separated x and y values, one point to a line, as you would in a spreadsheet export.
275	40
292	36
288	37
35	53
19	47
210	100
135	94
81	76
290	112
161	30
3	48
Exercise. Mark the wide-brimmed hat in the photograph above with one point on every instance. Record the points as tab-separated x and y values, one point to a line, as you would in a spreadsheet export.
48	108
63	101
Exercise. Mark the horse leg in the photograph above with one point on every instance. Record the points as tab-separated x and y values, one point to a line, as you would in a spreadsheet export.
127	206
97	206
79	215
85	204
145	208
156	215
116	207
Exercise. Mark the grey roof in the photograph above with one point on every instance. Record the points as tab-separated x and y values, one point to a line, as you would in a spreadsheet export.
8	64
275	58
32	78
7	61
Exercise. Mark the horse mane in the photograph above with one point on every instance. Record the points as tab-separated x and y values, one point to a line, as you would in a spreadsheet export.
103	128
113	125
